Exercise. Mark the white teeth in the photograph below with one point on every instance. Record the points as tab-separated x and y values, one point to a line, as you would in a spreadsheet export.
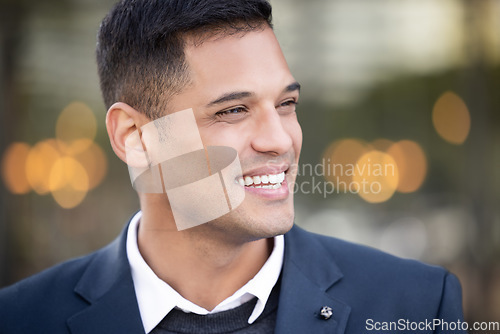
281	177
271	181
248	180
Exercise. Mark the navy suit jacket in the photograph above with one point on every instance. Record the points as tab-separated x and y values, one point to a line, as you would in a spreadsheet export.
365	288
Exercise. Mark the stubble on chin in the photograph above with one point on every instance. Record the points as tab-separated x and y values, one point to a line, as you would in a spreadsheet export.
242	226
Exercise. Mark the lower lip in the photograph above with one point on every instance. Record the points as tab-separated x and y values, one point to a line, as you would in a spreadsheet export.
274	194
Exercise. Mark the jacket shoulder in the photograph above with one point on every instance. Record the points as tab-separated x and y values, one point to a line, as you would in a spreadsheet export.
46	296
375	282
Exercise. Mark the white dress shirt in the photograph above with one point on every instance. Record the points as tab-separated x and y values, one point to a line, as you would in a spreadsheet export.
156	298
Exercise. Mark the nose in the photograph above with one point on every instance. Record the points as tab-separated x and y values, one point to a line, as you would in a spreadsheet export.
271	135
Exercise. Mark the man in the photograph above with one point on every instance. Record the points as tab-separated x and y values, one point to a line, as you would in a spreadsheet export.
236	273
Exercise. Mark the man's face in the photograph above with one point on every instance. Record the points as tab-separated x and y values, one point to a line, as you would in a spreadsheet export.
243	96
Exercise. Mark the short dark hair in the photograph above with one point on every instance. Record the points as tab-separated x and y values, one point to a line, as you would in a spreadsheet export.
140	47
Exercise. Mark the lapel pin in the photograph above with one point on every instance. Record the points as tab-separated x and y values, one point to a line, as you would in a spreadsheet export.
326	312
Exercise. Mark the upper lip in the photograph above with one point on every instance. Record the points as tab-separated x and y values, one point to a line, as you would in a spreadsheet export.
266	170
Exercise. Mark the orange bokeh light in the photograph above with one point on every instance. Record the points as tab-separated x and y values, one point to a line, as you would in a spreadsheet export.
69	182
412	165
92	158
39	163
339	160
75	122
68	166
451	118
376	176
13	168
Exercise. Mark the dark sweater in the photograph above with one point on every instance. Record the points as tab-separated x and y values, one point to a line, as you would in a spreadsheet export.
230	321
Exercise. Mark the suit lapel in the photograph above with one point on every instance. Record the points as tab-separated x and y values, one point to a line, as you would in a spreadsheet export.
308	273
108	287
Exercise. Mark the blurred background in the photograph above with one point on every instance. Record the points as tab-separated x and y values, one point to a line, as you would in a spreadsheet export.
410	84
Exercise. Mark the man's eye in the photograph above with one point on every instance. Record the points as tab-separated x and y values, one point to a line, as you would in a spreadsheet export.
232	111
289	103
287	107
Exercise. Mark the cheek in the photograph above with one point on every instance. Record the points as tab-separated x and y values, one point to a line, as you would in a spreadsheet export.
223	136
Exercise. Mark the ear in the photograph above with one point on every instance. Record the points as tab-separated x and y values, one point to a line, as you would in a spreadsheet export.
121	121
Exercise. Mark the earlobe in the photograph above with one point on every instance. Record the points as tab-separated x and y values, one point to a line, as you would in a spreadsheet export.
121	121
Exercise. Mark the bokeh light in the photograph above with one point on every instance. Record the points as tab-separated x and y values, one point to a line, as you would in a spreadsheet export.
412	165
68	182
68	172
376	176
92	158
451	118
75	122
339	160
13	172
39	163
383	164
67	166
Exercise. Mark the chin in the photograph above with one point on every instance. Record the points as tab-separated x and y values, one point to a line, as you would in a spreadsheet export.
279	226
268	226
244	226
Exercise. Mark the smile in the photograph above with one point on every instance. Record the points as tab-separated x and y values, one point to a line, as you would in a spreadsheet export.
267	181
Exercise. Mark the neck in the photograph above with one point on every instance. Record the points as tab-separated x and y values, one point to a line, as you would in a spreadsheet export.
199	263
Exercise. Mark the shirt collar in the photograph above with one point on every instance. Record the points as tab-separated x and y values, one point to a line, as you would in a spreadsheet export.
156	298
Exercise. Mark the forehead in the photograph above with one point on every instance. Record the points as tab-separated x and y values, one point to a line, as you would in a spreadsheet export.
247	60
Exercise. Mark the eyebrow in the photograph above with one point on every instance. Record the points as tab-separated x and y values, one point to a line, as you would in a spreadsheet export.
229	97
240	95
292	87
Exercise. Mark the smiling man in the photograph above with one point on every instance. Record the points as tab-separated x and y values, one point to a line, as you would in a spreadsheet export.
250	270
